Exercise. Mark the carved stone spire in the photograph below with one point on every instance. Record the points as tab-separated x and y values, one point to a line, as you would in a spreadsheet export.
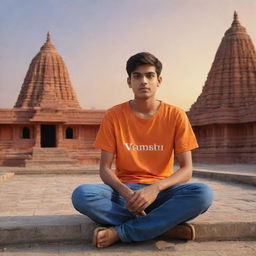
48	37
235	16
229	93
47	80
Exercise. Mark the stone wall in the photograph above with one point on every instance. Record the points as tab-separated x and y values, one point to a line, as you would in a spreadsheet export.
226	143
17	143
14	149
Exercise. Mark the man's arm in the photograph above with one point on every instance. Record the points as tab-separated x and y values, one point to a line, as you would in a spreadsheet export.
109	177
183	174
142	198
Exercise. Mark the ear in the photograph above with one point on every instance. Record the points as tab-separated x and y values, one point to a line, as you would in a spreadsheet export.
129	82
160	79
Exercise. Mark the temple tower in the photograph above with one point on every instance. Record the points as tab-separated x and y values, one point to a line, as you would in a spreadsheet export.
47	82
224	115
47	127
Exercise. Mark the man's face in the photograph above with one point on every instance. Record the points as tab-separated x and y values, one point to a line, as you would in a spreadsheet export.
144	81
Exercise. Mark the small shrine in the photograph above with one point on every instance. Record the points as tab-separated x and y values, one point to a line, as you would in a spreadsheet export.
47	126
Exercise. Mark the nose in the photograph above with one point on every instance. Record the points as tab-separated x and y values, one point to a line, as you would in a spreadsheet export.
144	80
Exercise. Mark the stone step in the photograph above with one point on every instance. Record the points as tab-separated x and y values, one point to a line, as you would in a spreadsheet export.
60	162
50	151
50	157
53	154
87	153
57	170
16	154
59	228
6	143
245	178
4	176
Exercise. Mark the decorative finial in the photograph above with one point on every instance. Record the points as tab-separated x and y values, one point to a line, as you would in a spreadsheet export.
48	37
235	16
48	45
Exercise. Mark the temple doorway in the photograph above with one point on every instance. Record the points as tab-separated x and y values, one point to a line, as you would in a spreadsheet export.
48	136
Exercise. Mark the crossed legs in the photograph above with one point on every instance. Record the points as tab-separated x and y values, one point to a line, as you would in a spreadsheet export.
173	206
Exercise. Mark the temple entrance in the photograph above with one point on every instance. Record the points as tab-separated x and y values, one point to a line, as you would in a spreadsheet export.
48	136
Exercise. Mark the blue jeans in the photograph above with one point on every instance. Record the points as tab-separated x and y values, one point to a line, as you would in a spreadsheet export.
172	206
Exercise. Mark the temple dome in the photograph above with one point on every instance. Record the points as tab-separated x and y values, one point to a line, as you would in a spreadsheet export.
229	93
47	82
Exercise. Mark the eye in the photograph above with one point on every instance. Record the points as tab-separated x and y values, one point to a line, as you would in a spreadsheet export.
150	75
136	76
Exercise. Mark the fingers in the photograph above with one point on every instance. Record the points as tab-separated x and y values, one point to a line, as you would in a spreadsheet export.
138	205
141	199
142	213
135	199
142	206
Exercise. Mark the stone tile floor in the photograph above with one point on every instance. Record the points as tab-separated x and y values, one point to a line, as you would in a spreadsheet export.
37	195
156	248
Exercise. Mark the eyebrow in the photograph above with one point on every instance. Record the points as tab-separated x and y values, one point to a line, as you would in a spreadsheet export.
147	73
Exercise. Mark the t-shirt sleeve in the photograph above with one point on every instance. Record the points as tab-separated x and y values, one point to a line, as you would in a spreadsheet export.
105	138
185	139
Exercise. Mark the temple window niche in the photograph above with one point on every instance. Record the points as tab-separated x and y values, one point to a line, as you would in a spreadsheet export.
69	133
25	133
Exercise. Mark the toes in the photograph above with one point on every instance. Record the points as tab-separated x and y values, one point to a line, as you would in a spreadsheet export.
103	245
106	237
101	238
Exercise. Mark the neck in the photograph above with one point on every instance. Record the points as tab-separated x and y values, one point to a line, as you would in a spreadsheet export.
145	106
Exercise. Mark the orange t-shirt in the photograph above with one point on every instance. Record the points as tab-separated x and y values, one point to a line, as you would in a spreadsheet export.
145	148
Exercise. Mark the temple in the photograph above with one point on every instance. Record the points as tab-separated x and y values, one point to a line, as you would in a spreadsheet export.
224	115
47	125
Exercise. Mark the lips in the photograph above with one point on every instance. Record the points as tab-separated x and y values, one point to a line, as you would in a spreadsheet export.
144	89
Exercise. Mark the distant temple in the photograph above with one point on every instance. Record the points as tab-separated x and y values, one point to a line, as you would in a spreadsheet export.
47	126
224	115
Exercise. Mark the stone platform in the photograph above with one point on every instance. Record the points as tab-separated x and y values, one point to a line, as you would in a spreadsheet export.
239	173
37	208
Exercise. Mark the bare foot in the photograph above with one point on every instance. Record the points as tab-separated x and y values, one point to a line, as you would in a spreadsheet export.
106	237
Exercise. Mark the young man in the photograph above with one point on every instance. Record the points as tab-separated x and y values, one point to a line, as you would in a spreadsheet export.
143	198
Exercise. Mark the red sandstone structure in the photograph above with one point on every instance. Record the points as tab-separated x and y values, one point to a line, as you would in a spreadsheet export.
47	126
224	115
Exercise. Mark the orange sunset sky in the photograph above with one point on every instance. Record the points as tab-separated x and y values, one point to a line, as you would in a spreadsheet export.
96	37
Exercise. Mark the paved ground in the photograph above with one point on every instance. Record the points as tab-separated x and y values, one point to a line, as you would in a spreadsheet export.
46	199
236	168
37	195
156	248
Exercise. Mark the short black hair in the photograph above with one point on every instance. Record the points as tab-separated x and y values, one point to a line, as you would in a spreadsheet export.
143	58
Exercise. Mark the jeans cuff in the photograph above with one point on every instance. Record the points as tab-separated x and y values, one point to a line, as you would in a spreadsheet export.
122	234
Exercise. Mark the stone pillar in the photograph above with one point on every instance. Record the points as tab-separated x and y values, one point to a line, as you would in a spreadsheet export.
59	135
80	131
37	136
225	137
17	131
12	132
